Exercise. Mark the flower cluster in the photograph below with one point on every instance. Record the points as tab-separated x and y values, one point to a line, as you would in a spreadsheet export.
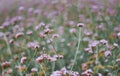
42	57
64	72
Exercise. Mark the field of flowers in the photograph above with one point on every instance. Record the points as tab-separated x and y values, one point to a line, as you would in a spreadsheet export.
60	38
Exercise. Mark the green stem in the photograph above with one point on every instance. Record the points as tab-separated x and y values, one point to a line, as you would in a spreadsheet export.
42	69
32	58
97	59
79	40
53	66
8	46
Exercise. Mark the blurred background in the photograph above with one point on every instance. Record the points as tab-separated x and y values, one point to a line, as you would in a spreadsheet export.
21	22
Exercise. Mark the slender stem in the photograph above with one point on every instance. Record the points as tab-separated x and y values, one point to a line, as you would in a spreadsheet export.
97	59
42	69
20	72
96	55
8	46
32	58
53	66
52	44
79	40
55	49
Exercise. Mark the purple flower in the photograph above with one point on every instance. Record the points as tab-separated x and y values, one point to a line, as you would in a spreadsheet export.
108	53
23	59
34	69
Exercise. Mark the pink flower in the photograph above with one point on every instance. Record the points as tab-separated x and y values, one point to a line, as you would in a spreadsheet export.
11	41
109	74
108	53
19	34
37	11
88	72
1	27
52	59
9	71
84	66
72	30
33	44
23	59
34	69
55	36
80	25
104	42
58	56
39	26
4	73
64	71
30	10
29	32
6	24
89	50
93	43
99	74
115	45
46	31
5	64
42	35
56	73
118	34
21	8
88	33
39	59
118	60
